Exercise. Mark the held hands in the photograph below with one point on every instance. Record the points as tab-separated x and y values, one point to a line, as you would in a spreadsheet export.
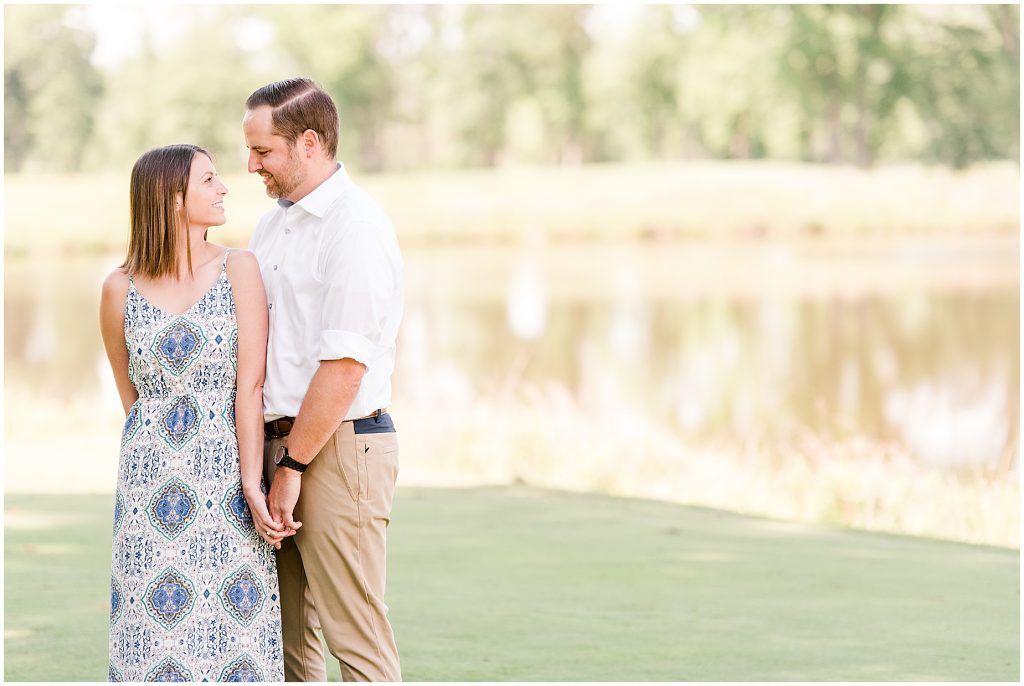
270	530
284	493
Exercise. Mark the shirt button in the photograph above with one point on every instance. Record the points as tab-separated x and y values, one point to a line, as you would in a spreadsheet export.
275	267
287	230
270	306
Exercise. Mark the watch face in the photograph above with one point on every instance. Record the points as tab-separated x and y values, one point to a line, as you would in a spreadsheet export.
279	455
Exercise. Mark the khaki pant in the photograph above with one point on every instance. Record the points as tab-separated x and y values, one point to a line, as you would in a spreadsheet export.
332	572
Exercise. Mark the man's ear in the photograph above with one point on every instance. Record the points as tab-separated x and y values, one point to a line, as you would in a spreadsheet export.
310	142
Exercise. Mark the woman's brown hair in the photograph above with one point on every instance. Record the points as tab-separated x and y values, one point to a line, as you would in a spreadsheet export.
157	177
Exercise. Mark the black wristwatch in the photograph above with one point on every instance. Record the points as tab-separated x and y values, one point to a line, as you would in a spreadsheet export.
283	459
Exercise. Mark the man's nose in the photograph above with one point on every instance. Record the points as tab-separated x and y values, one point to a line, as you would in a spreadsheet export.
254	164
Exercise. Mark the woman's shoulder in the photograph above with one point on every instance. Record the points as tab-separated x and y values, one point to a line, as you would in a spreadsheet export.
116	283
113	298
239	260
243	269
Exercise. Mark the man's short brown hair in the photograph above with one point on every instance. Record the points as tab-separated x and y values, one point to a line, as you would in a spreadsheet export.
299	104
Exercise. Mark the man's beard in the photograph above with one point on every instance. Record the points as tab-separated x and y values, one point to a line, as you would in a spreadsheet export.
286	180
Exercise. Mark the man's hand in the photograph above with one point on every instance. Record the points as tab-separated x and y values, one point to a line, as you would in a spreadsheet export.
273	532
284	493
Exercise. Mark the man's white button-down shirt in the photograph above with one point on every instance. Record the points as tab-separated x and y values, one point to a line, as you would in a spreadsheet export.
333	274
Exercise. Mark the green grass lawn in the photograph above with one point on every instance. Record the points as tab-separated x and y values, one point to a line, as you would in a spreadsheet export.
498	584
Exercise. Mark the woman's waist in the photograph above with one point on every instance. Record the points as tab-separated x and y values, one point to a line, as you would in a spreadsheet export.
219	397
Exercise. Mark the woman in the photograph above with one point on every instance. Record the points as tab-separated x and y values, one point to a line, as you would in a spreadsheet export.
194	592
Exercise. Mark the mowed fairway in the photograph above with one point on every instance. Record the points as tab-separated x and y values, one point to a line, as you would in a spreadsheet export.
519	584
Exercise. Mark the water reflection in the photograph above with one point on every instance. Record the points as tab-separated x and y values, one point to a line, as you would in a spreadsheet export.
527	307
933	371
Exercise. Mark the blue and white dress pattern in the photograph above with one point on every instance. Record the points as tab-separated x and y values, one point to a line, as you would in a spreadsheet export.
193	591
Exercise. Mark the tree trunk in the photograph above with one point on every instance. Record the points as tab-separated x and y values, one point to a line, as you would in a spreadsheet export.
1009	29
369	149
835	129
572	153
739	145
863	148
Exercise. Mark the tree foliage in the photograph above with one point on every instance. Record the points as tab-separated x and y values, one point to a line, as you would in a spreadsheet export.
51	89
487	85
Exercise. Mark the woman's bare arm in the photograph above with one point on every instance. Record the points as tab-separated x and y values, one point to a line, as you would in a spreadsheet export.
115	290
252	317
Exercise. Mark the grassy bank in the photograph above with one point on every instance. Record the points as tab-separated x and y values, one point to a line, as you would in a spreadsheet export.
525	584
615	202
857	483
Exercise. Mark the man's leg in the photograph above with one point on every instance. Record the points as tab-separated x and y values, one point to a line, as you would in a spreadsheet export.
345	507
303	652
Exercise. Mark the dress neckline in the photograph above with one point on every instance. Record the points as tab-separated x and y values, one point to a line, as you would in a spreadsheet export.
221	275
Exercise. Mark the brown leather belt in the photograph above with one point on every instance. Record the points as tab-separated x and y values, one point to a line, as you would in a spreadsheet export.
279	428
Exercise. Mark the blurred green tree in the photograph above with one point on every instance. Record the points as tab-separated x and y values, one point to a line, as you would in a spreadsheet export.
659	55
486	71
965	82
729	96
848	74
51	89
555	50
486	85
192	91
340	48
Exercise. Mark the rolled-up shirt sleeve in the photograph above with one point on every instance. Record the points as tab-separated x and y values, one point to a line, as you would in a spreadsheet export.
359	282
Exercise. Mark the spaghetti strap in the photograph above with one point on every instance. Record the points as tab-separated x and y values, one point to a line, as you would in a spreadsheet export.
224	263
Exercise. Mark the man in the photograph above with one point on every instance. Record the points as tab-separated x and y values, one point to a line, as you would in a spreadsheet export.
333	274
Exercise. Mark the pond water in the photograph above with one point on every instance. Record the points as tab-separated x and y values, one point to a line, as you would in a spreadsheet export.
915	343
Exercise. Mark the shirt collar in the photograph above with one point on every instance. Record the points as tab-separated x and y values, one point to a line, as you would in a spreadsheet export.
318	200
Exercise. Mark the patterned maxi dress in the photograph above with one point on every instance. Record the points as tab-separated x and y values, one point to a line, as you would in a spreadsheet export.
194	593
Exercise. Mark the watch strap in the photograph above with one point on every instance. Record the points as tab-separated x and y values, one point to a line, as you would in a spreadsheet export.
287	461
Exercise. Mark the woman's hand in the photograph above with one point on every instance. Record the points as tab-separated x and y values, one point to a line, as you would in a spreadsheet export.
270	531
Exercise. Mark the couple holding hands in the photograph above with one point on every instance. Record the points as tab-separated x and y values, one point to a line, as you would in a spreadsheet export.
258	462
